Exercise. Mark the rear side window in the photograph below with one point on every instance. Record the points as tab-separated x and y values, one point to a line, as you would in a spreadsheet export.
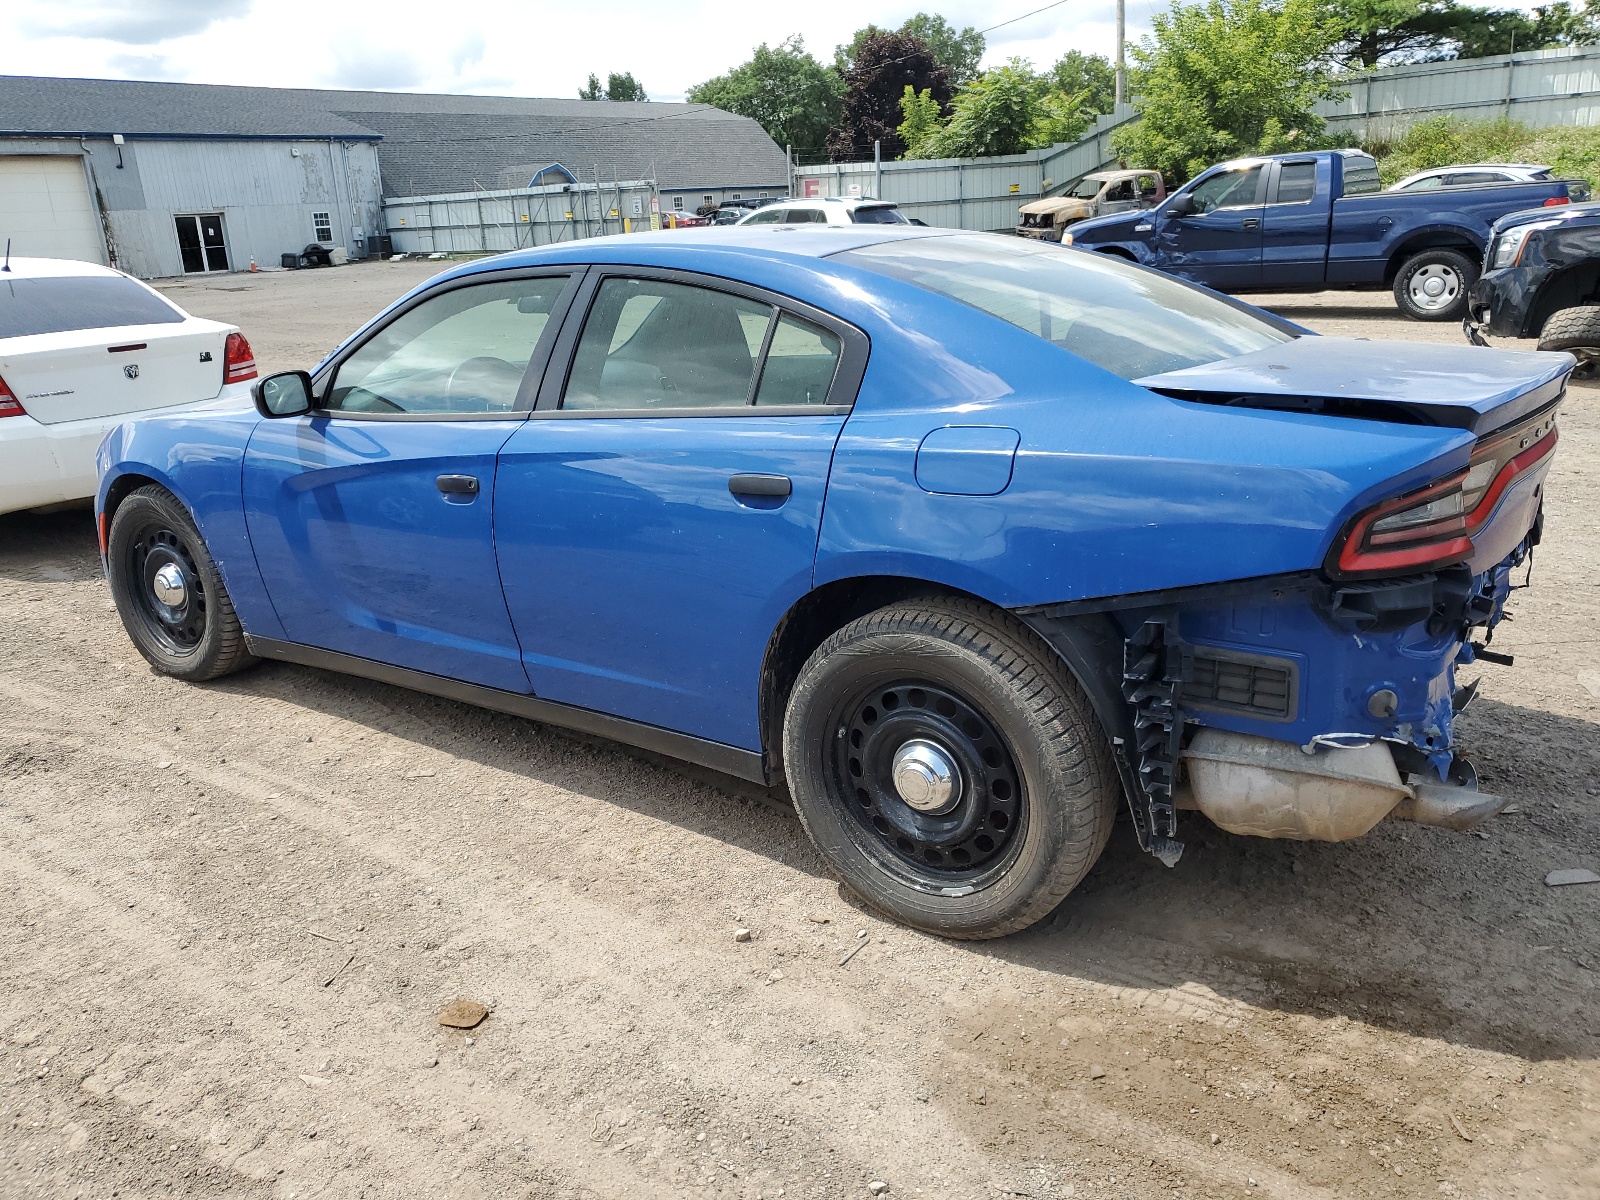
806	216
1129	321
649	343
29	306
1360	175
883	215
1426	183
800	365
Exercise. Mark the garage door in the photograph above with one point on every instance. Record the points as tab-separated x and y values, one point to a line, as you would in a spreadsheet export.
45	208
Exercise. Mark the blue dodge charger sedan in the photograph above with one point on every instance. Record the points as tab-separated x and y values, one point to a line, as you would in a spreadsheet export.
968	540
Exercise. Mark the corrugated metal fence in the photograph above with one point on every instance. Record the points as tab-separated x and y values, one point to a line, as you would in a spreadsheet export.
1541	87
494	222
967	193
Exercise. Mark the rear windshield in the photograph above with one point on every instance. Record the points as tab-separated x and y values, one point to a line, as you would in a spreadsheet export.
884	214
56	305
1129	321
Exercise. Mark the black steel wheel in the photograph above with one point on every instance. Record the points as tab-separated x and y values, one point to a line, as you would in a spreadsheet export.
168	591
934	781
948	767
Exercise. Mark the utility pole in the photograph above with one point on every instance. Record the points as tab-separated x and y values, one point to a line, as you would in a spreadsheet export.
1122	64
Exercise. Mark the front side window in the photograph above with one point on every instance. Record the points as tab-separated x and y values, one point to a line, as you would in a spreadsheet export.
321	228
464	351
1297	182
1087	189
1467	178
1129	321
1120	191
800	365
650	343
1227	189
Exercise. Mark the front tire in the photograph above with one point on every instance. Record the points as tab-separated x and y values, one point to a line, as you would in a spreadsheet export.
948	768
1577	331
169	592
1433	284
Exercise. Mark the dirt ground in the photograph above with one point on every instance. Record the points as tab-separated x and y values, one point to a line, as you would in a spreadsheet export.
231	912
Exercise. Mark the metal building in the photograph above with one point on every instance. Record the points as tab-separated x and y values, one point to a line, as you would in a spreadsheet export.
164	179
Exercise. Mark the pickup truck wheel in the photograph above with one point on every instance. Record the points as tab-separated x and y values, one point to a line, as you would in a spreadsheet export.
1577	331
948	769
168	591
1432	285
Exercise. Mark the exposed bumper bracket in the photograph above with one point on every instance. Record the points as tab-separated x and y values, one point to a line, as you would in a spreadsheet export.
1152	675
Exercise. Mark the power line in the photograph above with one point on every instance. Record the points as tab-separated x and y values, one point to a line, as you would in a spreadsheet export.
1024	16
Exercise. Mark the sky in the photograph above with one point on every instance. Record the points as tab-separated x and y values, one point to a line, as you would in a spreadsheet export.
503	47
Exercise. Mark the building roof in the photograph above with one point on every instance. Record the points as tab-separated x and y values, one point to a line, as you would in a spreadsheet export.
429	144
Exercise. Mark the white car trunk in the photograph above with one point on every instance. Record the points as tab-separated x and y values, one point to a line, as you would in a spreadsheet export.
64	377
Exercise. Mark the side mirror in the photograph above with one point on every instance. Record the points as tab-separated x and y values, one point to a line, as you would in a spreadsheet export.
287	394
1181	205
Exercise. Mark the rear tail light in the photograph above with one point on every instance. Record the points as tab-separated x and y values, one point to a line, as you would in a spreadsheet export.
1554	200
238	360
10	406
1435	525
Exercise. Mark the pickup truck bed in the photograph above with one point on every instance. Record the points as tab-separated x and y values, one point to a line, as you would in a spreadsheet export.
1308	222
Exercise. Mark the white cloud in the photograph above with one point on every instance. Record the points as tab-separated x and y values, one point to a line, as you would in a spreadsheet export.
514	47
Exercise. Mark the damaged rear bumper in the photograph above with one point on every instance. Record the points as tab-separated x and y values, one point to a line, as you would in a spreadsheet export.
1291	706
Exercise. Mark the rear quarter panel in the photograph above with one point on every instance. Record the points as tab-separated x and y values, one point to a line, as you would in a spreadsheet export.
1114	490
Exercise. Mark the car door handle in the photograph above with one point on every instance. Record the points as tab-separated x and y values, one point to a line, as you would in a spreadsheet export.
457	485
760	485
1252	222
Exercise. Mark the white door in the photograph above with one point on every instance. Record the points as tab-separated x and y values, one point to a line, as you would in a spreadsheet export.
46	210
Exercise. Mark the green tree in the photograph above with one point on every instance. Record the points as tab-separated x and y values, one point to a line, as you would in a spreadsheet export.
788	92
995	114
1090	76
624	87
618	87
921	123
957	51
1383	32
1218	79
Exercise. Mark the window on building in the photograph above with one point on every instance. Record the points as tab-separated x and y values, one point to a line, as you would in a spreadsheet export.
737	196
711	199
322	228
761	195
677	203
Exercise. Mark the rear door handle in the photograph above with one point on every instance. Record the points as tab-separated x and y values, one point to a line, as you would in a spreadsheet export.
760	485
457	485
1252	222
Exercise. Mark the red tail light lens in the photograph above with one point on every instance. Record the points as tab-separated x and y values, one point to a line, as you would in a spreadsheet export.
10	406
238	360
1435	525
1555	200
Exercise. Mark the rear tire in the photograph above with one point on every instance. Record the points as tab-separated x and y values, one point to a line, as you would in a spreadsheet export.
1432	285
1577	331
169	592
1019	761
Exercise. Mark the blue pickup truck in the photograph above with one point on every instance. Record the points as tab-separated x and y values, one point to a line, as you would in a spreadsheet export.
1309	222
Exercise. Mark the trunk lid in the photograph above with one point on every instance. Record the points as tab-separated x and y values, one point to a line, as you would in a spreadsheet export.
1413	383
78	374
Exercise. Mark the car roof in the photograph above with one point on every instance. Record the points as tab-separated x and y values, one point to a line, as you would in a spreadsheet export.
54	268
823	201
751	242
1479	167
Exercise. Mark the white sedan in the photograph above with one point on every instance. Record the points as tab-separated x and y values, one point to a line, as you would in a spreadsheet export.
82	349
